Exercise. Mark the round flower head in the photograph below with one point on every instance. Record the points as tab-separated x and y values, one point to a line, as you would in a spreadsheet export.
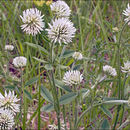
77	56
127	13
9	101
72	77
108	69
9	47
60	9
19	61
126	68
32	21
61	30
6	119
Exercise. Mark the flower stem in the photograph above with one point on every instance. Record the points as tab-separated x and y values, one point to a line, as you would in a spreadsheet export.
120	88
55	94
56	101
64	115
76	108
39	94
24	105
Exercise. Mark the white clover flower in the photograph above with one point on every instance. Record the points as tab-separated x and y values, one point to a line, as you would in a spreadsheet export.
9	47
9	101
108	69
126	68
32	21
61	30
19	61
77	56
127	13
72	77
60	9
6	120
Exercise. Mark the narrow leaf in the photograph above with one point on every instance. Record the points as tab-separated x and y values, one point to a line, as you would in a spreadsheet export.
48	67
46	94
37	47
28	95
105	125
11	87
106	111
47	108
40	60
61	85
67	98
67	54
62	66
31	81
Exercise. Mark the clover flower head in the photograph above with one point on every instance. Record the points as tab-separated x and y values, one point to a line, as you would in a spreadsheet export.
60	9
9	47
61	30
9	101
110	70
72	77
77	56
127	14
19	61
32	21
126	68
6	119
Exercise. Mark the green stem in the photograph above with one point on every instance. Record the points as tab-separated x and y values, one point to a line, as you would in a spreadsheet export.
118	110
39	100
55	94
56	101
35	113
96	105
23	104
76	108
70	117
119	74
64	115
122	97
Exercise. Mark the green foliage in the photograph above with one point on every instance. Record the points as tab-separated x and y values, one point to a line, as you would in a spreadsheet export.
95	39
105	125
46	94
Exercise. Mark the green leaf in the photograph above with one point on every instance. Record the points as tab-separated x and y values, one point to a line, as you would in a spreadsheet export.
40	60
46	94
109	98
61	85
77	67
48	67
31	81
89	59
67	98
11	87
67	54
70	62
37	47
106	111
28	95
62	66
47	108
105	125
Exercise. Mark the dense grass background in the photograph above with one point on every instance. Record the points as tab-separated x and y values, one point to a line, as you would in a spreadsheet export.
95	39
